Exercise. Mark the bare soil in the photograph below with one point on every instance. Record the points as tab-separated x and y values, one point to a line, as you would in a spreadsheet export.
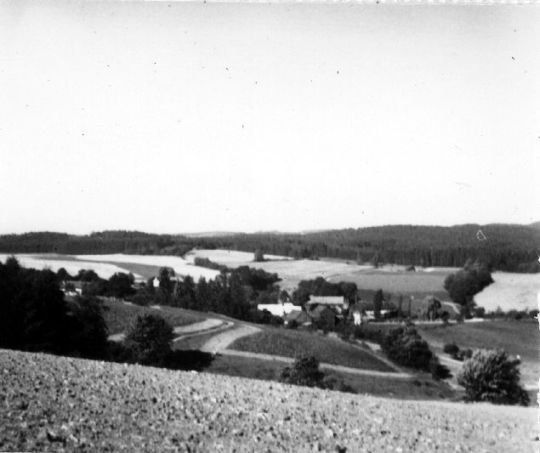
53	403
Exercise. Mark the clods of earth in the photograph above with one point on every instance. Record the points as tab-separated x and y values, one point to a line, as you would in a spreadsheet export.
50	403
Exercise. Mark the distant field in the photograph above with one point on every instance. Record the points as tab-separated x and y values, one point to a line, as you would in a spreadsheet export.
229	257
70	263
391	279
142	266
510	291
119	316
516	337
179	264
293	343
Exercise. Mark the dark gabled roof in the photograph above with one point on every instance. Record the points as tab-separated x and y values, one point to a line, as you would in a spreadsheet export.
299	316
319	310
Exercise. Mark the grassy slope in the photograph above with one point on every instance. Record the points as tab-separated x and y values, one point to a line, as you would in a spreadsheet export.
415	389
516	337
119	315
293	343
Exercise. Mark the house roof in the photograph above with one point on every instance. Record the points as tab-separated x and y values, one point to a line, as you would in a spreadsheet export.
326	300
319	310
299	316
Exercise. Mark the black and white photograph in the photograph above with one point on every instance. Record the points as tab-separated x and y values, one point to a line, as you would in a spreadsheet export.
269	226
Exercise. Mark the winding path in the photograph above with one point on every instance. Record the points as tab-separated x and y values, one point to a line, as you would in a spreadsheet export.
220	342
324	366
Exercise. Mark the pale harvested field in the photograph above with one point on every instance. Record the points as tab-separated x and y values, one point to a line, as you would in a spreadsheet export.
69	263
229	257
180	265
57	404
511	291
392	278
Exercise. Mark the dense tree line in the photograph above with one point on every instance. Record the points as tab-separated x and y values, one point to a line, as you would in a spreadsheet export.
235	293
35	316
502	246
321	287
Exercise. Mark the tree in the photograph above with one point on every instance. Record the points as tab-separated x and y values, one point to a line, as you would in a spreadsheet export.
63	275
258	256
186	293
89	331
87	275
166	285
305	371
490	375
33	312
35	317
377	303
406	347
432	307
120	285
464	284
149	339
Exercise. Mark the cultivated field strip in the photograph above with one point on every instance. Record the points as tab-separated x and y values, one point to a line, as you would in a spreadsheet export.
53	403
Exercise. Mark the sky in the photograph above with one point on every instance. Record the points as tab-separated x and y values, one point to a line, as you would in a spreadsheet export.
178	117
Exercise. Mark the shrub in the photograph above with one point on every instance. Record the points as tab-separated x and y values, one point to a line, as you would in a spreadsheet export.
150	339
451	349
404	346
305	371
332	382
463	354
490	375
438	370
292	324
189	360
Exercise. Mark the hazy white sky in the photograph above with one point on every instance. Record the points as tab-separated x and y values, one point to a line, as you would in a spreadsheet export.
196	117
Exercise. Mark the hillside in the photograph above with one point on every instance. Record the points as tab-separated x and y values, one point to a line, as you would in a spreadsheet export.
505	246
61	404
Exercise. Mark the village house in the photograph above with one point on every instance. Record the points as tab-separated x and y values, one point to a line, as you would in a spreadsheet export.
281	309
300	318
337	303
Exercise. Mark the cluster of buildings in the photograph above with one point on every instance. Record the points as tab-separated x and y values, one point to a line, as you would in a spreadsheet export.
326	309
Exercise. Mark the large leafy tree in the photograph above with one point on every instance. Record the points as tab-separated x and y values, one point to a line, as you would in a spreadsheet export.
464	284
121	285
491	375
150	339
33	311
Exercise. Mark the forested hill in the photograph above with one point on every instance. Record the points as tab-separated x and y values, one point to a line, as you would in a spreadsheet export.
504	246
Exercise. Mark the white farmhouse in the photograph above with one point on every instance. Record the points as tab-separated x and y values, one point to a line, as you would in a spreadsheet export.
280	309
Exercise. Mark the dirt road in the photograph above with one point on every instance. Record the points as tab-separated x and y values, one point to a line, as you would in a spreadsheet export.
221	341
324	366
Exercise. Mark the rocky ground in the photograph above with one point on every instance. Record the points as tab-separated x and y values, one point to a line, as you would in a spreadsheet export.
51	403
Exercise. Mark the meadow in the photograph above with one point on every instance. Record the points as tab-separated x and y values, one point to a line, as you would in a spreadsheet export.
119	315
515	337
295	343
419	388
